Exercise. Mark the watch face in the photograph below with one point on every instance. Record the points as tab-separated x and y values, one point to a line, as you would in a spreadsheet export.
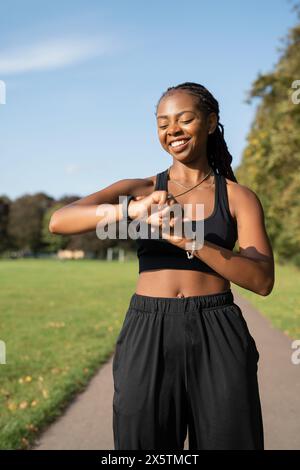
126	202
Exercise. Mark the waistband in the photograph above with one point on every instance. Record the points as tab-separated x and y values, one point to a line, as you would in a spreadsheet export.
150	304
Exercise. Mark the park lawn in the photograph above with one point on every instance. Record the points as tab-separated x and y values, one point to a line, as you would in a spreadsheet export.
282	305
60	321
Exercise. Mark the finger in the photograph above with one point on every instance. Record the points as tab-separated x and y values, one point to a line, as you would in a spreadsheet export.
173	221
164	212
170	213
171	199
165	235
160	197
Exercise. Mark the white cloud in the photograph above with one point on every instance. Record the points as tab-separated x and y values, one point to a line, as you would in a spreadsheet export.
52	54
72	168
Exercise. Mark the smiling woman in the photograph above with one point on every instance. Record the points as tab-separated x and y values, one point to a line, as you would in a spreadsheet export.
184	357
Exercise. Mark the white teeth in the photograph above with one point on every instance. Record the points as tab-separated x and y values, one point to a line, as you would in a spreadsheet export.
178	142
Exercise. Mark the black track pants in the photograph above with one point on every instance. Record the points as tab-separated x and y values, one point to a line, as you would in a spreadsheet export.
186	363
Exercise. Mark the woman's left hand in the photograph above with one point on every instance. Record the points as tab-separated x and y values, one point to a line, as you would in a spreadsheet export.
171	228
175	238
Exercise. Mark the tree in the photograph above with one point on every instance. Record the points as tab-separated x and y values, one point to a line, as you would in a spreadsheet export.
271	160
4	215
52	242
26	219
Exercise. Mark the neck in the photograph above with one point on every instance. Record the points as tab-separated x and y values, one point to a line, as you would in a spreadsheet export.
190	173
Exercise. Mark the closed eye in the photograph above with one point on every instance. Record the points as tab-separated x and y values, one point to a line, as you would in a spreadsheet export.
183	122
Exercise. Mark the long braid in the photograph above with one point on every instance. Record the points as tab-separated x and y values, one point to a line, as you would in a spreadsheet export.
218	154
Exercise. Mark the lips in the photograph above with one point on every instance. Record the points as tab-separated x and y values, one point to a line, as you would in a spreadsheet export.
179	139
179	148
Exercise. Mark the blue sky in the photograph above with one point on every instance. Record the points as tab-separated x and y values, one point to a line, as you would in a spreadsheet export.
83	79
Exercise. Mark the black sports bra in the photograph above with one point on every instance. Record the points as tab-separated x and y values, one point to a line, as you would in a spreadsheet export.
219	228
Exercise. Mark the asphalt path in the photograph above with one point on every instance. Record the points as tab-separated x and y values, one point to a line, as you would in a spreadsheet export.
87	422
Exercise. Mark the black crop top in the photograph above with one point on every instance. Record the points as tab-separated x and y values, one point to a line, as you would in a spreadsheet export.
219	228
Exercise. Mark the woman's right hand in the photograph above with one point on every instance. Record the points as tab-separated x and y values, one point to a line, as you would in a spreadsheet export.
140	206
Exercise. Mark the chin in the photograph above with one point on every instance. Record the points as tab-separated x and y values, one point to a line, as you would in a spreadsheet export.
183	158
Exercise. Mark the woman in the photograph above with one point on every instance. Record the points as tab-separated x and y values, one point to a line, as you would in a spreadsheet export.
184	357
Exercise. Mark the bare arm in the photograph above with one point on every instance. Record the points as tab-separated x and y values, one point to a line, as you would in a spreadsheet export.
253	266
81	216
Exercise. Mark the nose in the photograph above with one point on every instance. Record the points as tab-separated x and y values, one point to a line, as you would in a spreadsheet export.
174	128
175	132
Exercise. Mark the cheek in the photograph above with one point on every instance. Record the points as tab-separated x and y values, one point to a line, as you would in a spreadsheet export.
199	136
195	129
163	140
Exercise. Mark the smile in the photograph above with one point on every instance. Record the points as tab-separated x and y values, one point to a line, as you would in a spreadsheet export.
179	144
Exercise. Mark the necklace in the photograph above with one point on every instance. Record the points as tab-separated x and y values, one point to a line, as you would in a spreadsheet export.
188	189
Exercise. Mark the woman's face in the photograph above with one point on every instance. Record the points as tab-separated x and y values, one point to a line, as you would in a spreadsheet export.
178	117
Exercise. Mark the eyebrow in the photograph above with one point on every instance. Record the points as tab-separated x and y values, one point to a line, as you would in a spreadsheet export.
178	114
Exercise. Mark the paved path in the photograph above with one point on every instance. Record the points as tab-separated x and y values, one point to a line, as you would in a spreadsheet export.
87	422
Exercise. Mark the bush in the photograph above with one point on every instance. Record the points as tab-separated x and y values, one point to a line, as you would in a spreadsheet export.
296	260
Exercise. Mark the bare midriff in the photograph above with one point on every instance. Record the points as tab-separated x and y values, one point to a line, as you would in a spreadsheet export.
179	283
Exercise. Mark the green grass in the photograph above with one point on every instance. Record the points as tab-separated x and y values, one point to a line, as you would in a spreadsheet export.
60	321
282	306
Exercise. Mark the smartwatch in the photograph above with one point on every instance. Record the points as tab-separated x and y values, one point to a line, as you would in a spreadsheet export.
125	204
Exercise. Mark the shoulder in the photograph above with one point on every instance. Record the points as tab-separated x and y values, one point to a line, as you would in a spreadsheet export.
241	198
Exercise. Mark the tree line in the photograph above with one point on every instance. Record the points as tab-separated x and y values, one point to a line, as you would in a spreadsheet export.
270	166
24	228
270	162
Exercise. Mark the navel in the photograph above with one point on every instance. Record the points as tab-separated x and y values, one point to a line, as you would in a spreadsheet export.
180	295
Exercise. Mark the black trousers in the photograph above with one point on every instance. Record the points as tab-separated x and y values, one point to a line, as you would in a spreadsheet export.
186	363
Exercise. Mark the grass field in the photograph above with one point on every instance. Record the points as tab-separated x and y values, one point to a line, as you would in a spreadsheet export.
60	321
282	306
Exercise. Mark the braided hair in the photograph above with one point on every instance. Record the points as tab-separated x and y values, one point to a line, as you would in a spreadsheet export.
218	154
